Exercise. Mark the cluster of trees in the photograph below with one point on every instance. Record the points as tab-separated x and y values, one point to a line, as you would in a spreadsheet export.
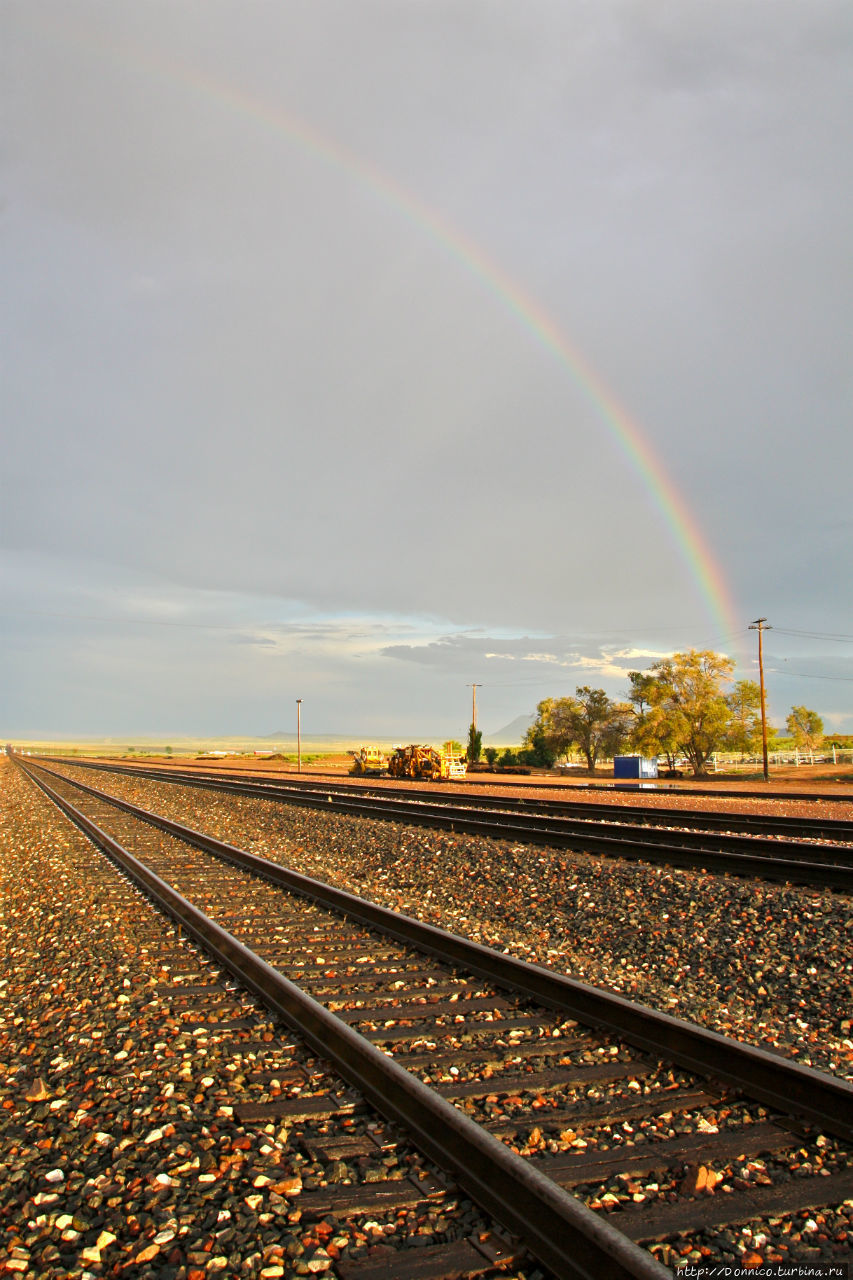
679	708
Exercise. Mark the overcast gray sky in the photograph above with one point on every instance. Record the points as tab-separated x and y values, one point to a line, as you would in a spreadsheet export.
359	351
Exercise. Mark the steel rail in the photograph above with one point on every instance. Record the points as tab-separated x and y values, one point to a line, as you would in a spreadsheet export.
672	848
830	797
529	818
785	1085
644	815
569	1238
705	820
742	823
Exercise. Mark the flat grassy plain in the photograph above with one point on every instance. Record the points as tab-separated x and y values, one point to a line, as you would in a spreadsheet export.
280	752
178	747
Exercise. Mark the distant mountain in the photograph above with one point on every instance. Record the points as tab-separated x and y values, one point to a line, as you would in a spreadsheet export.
512	733
281	736
509	736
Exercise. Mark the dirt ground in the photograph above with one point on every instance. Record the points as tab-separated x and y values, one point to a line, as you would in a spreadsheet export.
817	777
786	792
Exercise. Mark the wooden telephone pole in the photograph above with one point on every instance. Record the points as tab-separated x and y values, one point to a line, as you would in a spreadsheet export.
474	688
760	626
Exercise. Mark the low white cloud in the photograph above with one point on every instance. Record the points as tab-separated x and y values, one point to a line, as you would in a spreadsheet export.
651	655
459	651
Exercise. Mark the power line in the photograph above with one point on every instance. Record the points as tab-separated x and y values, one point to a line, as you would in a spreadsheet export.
839	637
734	635
810	675
543	681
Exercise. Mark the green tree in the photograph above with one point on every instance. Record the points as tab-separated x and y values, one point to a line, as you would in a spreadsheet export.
601	725
551	730
591	721
536	750
744	731
688	703
805	727
651	734
491	754
475	743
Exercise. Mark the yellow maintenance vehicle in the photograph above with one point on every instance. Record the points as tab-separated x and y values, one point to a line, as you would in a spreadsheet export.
425	763
368	762
415	761
453	765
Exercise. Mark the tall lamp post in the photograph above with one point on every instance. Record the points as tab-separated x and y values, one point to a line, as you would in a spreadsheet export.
298	735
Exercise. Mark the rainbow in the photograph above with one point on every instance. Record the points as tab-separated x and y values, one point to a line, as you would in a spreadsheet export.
687	536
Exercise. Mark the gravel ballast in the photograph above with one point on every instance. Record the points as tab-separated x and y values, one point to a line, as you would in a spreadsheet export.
120	1151
771	964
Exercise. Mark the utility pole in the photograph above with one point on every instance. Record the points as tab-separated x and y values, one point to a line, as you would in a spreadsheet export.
474	688
760	627
298	735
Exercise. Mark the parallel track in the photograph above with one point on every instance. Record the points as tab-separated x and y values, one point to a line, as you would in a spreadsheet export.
809	862
372	982
791	828
564	785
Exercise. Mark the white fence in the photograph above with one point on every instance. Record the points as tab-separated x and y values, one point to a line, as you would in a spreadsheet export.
826	755
731	761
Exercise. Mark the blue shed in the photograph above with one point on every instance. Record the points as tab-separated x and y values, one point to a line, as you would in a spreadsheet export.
635	767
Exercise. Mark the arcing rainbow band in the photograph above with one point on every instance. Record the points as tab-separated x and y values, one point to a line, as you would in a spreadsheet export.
675	513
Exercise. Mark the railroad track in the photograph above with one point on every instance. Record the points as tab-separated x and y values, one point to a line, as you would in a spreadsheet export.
825	860
562	787
521	1082
229	1198
791	828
